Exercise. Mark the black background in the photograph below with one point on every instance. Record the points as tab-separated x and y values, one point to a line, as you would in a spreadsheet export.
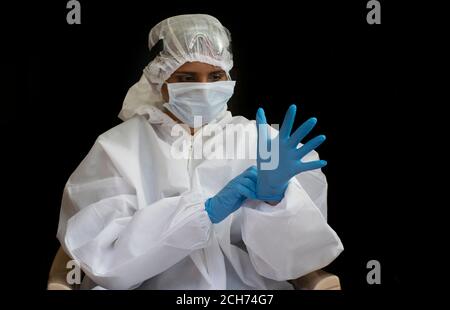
69	81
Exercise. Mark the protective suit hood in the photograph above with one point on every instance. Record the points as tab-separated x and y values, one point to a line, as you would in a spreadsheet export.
183	38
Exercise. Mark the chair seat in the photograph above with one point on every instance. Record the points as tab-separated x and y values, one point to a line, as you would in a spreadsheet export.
316	280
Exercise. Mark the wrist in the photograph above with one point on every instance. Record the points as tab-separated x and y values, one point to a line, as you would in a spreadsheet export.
271	195
209	210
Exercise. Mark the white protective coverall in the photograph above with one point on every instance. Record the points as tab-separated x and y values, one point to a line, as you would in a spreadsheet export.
133	215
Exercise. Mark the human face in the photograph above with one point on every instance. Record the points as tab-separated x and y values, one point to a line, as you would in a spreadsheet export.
194	72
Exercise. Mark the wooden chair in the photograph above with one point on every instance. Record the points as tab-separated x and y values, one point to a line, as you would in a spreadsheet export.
317	280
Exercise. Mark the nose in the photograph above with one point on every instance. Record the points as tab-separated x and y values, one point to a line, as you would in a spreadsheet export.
203	78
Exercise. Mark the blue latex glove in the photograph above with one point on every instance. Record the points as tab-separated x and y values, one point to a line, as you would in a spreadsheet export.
231	197
272	181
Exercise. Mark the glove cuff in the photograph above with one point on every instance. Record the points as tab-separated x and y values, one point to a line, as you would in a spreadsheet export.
272	194
270	197
208	209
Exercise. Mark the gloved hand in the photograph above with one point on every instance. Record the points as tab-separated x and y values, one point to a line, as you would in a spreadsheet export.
231	197
272	181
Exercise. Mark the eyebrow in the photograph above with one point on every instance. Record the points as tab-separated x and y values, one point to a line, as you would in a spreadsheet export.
194	73
218	71
185	73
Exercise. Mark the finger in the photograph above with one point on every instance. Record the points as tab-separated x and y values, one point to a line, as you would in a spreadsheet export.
302	131
246	180
250	184
312	165
260	117
288	122
246	192
261	125
263	132
250	172
310	145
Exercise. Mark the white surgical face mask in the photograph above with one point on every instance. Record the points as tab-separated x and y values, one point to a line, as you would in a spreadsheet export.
207	100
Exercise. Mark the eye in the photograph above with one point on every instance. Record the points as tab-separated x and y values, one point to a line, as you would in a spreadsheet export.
185	78
217	76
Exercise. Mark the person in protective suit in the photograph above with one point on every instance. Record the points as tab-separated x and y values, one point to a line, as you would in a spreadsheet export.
183	195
